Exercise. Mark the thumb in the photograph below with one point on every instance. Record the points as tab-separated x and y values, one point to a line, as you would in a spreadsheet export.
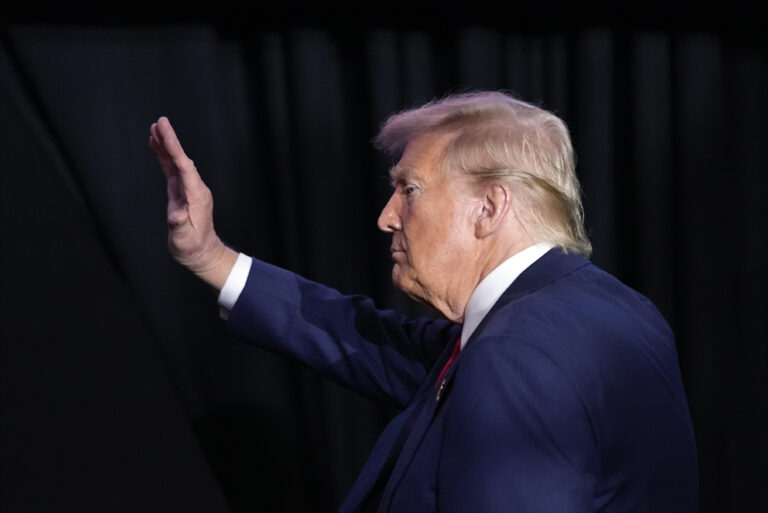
177	218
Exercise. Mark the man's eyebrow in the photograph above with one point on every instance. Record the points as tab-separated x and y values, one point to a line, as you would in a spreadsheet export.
399	173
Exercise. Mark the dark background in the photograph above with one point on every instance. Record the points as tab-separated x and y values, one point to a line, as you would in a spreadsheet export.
118	389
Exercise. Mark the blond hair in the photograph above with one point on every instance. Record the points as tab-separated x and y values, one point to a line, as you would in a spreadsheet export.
494	136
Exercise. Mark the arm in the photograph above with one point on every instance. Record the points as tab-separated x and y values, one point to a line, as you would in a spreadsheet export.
192	239
378	353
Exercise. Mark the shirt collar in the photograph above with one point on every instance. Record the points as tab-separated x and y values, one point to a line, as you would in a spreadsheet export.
490	289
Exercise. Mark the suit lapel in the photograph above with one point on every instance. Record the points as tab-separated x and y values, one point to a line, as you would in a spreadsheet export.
377	471
550	267
422	420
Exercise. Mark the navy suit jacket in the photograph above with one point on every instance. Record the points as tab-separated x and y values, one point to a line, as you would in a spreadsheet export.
567	398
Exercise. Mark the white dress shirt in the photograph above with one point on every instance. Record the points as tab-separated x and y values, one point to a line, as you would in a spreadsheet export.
490	289
480	302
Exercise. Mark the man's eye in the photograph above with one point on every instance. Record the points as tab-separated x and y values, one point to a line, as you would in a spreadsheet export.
408	189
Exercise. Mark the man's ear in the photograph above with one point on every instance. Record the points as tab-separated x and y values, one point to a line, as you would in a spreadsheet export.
496	204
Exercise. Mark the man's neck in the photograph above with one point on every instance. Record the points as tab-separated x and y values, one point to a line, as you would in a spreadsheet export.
487	255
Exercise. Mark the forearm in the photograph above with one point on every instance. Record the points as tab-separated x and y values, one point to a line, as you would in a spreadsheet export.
375	352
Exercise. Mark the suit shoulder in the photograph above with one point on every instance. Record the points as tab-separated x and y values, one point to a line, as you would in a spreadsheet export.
595	328
588	303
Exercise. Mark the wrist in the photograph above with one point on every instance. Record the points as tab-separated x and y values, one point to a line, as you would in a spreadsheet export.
219	263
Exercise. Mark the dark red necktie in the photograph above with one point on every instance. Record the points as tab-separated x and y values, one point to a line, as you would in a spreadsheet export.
454	354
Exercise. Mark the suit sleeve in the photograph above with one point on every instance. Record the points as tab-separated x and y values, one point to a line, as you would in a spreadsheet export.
377	353
518	437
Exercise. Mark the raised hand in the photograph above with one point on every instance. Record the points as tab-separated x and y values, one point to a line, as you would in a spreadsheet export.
192	239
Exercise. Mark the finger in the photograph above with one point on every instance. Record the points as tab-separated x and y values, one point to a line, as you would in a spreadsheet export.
167	166
169	140
177	218
157	147
153	133
175	153
158	137
182	165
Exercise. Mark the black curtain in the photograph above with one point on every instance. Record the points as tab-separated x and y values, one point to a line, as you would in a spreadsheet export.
119	390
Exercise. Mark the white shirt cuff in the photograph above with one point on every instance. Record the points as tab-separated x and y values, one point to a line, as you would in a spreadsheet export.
234	285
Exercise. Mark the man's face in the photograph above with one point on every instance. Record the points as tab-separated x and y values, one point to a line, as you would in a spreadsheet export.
430	216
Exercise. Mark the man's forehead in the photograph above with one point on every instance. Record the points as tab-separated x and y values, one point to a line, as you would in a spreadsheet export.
421	159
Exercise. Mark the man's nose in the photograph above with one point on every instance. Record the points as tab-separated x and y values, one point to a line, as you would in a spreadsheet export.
389	219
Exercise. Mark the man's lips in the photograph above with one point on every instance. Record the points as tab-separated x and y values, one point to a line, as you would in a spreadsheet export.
396	252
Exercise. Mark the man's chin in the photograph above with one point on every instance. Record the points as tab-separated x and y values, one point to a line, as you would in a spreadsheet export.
396	277
406	286
398	280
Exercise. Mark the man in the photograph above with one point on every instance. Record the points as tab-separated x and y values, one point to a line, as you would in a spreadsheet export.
549	386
